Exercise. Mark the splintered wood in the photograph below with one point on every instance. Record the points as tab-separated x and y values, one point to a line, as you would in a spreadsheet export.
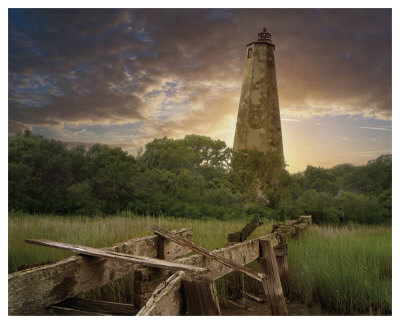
145	261
166	298
202	251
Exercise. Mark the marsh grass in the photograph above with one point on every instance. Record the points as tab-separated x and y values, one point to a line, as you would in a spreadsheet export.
106	231
346	269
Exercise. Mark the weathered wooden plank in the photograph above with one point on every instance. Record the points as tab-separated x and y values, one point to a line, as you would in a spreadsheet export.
247	230
65	311
31	290
280	250
98	306
250	227
227	262
150	246
282	262
271	283
241	253
142	260
234	237
171	301
257	299
299	230
166	299
201	297
146	281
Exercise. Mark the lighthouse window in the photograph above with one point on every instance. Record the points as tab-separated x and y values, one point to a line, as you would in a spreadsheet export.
250	53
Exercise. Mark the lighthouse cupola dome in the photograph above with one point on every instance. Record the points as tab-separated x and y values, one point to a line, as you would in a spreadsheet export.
264	36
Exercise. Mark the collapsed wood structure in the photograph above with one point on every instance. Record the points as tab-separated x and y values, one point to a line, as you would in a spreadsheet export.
166	282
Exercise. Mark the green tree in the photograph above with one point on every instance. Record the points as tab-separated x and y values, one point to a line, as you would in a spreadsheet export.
168	154
209	152
111	173
320	179
258	175
39	173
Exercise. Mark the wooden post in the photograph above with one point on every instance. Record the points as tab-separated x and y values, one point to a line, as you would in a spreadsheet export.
201	297
307	219
147	279
271	282
298	231
246	231
236	279
281	260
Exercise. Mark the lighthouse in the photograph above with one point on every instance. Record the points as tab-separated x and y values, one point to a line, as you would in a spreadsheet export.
258	123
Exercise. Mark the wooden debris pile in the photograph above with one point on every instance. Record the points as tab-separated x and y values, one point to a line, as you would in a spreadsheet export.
182	286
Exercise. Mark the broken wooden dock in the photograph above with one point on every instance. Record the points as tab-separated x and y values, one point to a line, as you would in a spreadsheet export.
186	285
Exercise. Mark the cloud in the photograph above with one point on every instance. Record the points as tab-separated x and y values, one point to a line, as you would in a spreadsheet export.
290	119
380	128
346	138
373	153
172	72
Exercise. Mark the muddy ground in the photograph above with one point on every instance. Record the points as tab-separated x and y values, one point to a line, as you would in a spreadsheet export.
246	307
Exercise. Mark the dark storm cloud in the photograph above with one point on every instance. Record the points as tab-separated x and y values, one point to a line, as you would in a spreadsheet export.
123	65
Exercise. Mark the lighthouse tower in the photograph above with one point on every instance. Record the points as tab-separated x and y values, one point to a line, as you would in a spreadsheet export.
258	123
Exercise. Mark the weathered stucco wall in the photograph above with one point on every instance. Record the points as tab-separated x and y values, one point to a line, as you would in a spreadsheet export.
258	123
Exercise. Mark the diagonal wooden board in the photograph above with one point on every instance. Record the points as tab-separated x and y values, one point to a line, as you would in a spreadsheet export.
146	261
170	236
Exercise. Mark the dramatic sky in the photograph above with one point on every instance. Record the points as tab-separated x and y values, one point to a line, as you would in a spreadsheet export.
125	77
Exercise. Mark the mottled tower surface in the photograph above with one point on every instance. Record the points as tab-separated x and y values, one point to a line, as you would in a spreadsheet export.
258	123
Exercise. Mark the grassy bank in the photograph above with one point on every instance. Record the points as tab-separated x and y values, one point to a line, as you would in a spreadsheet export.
347	269
104	231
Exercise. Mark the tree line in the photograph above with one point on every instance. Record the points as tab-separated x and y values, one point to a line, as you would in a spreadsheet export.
193	177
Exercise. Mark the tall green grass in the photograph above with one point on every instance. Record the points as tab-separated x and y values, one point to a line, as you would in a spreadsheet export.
104	231
346	269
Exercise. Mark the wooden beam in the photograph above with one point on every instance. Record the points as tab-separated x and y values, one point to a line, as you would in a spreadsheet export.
257	299
229	263
240	253
98	306
31	290
166	299
201	297
281	253
246	231
65	311
144	261
170	301
271	283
